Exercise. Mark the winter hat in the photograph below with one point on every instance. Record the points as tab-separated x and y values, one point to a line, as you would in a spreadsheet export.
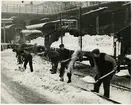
61	45
96	51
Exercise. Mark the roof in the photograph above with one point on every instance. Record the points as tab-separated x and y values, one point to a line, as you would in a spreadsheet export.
8	26
35	26
40	25
30	31
96	10
105	12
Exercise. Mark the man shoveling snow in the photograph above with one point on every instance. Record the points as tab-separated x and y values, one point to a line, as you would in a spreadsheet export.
105	65
69	63
26	57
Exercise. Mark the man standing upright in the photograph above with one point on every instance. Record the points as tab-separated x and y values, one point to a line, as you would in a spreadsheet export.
105	64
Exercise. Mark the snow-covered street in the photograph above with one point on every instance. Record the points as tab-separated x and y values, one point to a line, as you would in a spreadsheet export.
40	86
65	52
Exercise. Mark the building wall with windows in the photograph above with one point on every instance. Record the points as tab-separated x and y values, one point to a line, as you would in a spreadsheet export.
49	7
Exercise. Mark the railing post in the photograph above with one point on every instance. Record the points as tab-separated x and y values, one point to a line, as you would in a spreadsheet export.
61	27
4	33
80	27
114	37
97	25
126	18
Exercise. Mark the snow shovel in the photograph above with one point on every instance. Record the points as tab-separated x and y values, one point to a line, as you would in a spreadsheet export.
91	80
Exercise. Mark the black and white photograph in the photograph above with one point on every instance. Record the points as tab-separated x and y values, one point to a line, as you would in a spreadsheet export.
65	52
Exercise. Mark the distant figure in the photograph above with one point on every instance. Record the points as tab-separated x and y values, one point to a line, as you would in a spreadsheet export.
27	58
105	64
64	54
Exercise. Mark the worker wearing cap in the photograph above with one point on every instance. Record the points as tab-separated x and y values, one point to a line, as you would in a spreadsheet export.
105	64
18	56
64	57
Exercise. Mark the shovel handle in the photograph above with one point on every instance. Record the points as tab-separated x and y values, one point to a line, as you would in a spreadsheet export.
105	76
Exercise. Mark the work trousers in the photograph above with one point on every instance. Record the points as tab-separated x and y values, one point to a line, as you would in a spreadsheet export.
19	59
106	84
62	68
54	65
29	59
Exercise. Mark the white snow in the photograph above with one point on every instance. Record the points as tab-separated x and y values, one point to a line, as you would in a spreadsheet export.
123	73
39	41
70	42
88	79
104	43
128	56
42	81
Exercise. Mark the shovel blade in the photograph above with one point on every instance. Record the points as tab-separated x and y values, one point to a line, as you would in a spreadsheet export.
89	79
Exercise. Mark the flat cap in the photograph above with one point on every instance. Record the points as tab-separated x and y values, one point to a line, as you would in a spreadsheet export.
96	51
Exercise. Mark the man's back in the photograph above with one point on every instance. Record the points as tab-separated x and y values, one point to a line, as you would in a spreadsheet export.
104	64
64	54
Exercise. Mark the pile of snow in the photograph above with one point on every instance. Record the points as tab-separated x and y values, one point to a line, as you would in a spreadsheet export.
123	73
88	79
39	41
70	42
104	43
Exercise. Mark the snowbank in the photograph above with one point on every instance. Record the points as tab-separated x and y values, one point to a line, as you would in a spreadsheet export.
104	43
70	42
39	41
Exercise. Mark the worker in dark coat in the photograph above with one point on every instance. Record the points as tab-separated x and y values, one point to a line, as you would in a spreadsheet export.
64	58
18	56
54	58
27	58
105	64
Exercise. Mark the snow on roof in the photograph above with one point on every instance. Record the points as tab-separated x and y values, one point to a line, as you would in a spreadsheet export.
31	31
35	26
67	20
45	19
96	10
8	26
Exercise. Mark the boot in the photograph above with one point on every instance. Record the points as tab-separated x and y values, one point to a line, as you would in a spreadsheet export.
69	77
53	72
62	79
